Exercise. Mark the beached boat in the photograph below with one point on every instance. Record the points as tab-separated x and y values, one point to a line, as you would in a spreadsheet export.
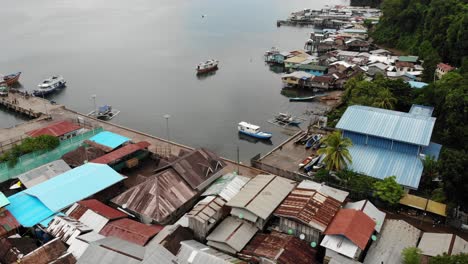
310	165
207	66
305	162
315	139
10	78
287	119
50	85
302	99
252	130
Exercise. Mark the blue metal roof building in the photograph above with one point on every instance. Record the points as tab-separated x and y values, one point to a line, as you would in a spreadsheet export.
41	201
109	139
417	85
387	143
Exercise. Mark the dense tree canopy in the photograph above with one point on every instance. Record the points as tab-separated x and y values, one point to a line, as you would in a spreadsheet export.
436	30
388	190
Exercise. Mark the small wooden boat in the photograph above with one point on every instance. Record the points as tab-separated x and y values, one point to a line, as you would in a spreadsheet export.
302	99
10	78
207	66
305	162
105	112
310	165
287	119
252	130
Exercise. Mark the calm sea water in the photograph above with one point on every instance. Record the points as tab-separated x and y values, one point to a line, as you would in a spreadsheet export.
140	56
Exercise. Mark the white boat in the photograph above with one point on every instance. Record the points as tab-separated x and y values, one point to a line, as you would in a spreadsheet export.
207	66
50	85
252	130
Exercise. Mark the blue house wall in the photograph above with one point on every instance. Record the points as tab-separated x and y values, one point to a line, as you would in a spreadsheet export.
384	143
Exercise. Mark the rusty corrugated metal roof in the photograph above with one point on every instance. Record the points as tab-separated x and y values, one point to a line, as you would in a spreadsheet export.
121	152
172	186
131	231
81	155
352	224
310	207
206	209
280	248
8	223
97	207
197	167
157	197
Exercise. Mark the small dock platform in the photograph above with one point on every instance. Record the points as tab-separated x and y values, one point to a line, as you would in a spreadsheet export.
27	105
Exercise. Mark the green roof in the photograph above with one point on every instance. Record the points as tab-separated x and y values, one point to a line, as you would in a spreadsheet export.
310	67
408	58
3	200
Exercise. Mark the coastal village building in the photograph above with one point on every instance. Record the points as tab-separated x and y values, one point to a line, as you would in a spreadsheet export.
260	197
232	235
442	69
127	156
62	130
94	213
424	204
205	215
131	231
193	252
297	79
174	188
43	173
370	210
107	141
356	44
323	82
315	70
79	245
67	228
395	236
8	223
41	202
278	248
82	155
348	234
434	244
309	209
377	68
387	143
170	237
227	186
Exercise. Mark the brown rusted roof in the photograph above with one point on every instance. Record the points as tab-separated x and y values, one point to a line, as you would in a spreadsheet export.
8	223
157	197
121	153
171	236
131	231
47	253
173	186
400	64
197	167
309	207
97	207
280	248
78	156
352	224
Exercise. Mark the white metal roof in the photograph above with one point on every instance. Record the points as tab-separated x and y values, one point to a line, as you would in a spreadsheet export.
194	252
262	194
340	244
433	244
336	194
227	186
43	173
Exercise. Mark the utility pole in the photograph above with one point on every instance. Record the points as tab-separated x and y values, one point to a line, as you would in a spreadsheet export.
167	116
94	100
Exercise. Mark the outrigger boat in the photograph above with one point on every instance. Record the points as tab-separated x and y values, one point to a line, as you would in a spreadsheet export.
10	79
207	66
252	130
104	112
50	85
288	119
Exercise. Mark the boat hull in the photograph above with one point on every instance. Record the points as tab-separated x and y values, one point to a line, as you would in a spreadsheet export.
259	136
207	70
43	92
11	79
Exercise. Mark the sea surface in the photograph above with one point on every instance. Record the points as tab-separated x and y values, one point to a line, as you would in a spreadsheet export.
140	56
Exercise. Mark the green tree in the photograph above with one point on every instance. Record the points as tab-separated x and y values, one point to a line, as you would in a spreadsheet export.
388	190
411	255
454	259
454	174
385	99
336	151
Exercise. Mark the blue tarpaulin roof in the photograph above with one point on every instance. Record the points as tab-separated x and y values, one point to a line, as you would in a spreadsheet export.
381	163
109	139
394	125
41	201
417	85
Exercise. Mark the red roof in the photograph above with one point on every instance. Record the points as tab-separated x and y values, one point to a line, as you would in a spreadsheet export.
97	207
445	67
121	152
7	223
131	231
57	129
354	225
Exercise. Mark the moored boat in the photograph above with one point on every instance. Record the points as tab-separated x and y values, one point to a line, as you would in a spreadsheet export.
207	66
287	119
10	78
50	85
302	99
252	130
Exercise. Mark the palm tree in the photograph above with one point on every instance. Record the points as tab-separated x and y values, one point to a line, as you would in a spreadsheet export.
337	154
385	99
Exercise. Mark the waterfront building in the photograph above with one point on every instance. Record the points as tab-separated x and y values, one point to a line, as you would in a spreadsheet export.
232	235
62	130
390	143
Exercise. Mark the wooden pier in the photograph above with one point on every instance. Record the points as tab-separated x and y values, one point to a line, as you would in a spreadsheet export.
25	104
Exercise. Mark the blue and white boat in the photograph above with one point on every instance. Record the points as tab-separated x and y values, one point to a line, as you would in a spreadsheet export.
50	85
252	130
